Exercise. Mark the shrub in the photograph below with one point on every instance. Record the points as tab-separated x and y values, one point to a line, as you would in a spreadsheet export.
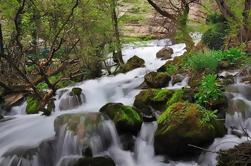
209	91
203	61
214	37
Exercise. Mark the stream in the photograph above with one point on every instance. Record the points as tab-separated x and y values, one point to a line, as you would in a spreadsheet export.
33	140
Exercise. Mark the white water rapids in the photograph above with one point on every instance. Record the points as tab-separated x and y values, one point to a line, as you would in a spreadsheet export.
29	131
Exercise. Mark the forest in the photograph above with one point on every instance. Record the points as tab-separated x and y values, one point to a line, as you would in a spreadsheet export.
125	82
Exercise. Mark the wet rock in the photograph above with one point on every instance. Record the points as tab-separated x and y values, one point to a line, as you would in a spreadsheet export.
127	141
237	156
150	99
76	91
72	99
224	64
133	63
1	117
177	78
125	118
246	80
157	79
183	124
12	100
165	53
80	124
96	161
33	105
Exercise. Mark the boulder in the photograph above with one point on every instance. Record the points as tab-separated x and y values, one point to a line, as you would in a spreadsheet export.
224	64
150	99
237	156
165	53
133	63
82	125
33	105
1	117
157	79
95	161
183	124
72	99
125	118
177	78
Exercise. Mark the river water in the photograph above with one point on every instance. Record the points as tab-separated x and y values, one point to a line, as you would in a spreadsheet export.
32	131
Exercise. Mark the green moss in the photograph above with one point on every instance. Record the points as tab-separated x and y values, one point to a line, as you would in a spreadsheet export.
76	91
177	96
161	94
33	105
181	115
128	114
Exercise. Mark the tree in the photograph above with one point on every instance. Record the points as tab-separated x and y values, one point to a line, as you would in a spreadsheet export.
235	18
176	13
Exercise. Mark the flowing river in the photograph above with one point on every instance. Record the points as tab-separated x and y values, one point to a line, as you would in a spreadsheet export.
45	145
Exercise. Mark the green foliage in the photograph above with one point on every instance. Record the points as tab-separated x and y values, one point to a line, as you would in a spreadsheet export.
176	97
215	18
233	55
207	116
203	61
209	91
171	69
161	94
214	37
33	105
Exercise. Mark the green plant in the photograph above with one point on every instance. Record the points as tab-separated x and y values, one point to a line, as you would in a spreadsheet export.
203	61
171	69
207	116
233	55
209	91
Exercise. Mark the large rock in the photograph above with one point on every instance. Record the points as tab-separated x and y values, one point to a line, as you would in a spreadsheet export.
72	99
151	100
133	63
33	105
96	161
1	117
157	79
125	118
165	53
237	156
183	124
80	124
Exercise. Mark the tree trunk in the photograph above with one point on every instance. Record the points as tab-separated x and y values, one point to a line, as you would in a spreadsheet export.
118	54
1	41
182	33
246	29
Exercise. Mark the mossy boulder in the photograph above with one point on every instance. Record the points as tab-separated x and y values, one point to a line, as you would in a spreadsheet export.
33	105
1	117
76	91
96	161
157	79
73	99
150	99
237	156
125	118
133	63
183	124
165	53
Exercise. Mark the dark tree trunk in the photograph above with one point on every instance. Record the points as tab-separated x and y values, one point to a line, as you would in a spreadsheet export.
246	29
1	41
118	53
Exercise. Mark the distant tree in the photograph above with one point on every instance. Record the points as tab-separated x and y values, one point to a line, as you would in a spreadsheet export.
238	16
176	12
